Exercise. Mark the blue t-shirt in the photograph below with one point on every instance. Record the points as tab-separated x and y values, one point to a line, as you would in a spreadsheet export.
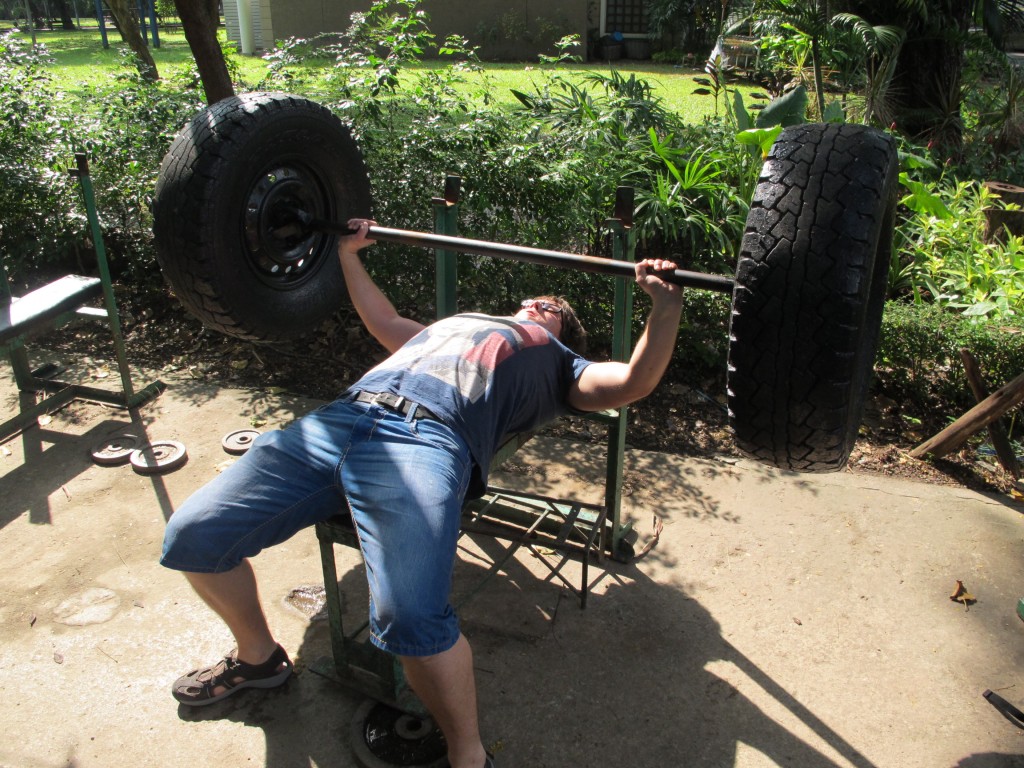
485	377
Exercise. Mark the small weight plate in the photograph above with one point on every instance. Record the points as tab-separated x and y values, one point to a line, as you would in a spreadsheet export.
158	457
384	737
115	450
239	441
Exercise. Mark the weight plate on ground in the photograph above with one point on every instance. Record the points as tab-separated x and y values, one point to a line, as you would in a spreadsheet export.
115	450
383	736
239	441
809	292
158	457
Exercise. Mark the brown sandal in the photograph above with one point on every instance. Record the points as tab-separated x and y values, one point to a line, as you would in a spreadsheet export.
196	689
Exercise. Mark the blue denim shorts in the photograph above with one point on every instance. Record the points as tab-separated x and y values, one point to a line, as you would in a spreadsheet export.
404	481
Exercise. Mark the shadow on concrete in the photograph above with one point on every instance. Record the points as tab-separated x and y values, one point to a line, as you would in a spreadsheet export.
633	669
991	760
628	681
54	455
52	458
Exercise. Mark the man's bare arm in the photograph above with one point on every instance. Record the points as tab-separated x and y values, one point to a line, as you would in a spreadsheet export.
614	384
377	312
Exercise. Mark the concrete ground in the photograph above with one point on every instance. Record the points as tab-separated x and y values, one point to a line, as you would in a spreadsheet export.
781	619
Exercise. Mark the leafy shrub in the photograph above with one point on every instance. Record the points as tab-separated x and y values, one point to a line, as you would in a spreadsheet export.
684	176
37	196
124	127
993	110
671	56
126	138
919	355
702	348
948	260
544	175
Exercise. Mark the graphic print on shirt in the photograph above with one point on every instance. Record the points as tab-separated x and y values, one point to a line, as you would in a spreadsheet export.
465	361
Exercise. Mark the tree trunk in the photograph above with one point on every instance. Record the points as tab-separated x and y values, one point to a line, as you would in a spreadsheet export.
928	76
926	91
125	14
65	16
1000	222
924	99
199	19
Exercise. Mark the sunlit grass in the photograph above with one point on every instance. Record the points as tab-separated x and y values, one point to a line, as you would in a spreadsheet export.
81	62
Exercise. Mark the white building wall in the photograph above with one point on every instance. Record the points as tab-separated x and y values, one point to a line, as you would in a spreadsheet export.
262	28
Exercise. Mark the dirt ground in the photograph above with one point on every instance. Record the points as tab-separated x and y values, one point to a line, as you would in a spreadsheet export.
777	620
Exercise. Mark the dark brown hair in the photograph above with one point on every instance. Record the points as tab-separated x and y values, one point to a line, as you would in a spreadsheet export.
573	334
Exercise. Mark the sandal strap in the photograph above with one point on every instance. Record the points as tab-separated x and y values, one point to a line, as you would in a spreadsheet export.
210	677
268	668
199	685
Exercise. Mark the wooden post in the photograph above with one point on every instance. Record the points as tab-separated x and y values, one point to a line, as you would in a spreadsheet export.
979	417
998	220
1007	456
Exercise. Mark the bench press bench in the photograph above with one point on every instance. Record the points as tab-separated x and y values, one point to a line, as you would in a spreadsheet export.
570	527
50	307
46	306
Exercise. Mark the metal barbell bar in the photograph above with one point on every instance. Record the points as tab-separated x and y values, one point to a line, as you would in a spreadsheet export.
582	262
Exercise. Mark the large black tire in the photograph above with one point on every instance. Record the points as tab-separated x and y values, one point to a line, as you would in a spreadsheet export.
810	288
227	184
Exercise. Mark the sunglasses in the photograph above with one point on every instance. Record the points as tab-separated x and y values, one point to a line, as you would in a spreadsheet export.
547	306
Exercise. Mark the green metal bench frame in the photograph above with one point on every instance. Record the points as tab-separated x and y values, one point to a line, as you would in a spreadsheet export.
52	306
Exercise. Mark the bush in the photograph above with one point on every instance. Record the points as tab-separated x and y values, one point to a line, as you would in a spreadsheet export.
37	196
944	256
544	176
124	128
919	355
126	139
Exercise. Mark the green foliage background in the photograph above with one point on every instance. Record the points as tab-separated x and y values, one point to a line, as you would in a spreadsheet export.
540	170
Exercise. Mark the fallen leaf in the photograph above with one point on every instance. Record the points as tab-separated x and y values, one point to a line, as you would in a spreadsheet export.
1016	495
58	657
797	621
276	390
44	420
239	365
659	526
961	595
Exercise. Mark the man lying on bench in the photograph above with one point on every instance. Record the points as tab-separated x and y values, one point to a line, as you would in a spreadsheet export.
403	447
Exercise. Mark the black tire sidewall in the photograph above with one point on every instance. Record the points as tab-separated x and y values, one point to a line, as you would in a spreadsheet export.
810	289
204	187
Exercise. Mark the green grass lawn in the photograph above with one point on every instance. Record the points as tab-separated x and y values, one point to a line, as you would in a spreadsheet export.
80	60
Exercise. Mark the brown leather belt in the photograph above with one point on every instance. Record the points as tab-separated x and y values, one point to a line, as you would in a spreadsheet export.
396	403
